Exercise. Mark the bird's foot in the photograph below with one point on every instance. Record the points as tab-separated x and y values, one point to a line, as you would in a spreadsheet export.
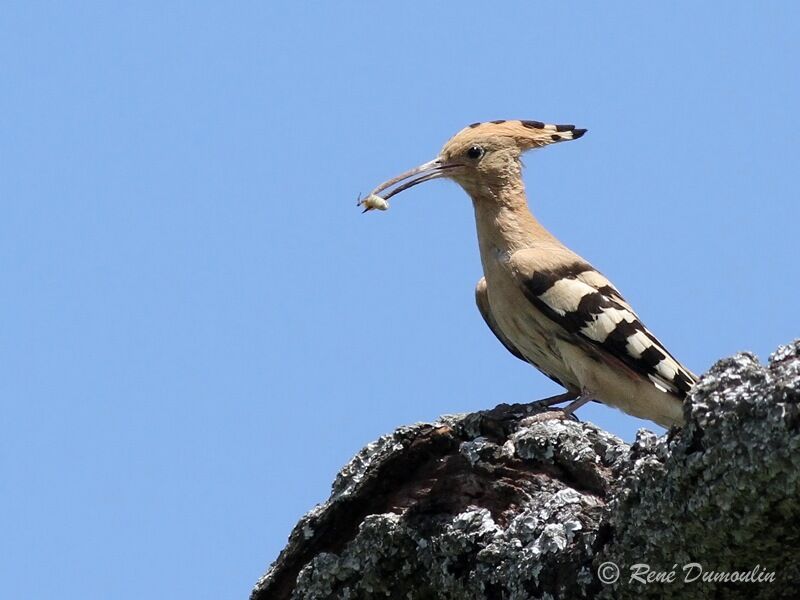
521	410
505	418
568	412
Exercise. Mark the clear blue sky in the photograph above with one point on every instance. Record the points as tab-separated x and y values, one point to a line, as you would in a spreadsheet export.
200	328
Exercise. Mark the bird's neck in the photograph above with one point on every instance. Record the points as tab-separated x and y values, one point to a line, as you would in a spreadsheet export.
504	221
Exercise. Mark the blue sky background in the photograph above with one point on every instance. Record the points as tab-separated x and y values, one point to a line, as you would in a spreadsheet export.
200	328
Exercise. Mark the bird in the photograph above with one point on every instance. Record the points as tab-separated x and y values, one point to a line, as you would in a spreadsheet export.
546	304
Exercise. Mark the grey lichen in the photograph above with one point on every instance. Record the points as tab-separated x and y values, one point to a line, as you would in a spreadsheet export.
505	504
724	491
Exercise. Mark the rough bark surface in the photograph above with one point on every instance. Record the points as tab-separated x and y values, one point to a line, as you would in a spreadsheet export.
504	504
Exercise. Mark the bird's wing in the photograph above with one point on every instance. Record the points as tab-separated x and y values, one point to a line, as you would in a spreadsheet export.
588	307
482	300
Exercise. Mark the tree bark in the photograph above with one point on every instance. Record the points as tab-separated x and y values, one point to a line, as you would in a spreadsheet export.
506	504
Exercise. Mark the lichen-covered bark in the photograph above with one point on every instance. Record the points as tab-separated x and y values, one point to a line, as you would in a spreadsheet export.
505	504
723	492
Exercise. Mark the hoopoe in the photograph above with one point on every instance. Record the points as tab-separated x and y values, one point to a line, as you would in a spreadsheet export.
547	305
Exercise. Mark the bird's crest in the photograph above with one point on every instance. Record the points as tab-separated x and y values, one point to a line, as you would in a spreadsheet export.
526	134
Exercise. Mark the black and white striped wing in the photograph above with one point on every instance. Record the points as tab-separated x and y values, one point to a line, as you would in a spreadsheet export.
585	304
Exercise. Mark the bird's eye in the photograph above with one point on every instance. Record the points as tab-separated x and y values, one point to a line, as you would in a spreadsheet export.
475	152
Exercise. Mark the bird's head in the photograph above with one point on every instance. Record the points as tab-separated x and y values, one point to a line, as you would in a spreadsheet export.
483	155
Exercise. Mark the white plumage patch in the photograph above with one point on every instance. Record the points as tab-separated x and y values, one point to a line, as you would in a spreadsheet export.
565	295
605	323
667	369
637	343
658	383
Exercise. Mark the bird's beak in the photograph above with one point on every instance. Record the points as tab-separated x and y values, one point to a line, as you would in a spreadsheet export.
434	169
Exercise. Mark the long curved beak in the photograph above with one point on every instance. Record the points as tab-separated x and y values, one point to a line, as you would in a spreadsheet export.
433	169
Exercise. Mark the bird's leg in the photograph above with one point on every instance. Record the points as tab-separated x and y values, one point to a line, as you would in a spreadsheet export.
553	400
573	406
